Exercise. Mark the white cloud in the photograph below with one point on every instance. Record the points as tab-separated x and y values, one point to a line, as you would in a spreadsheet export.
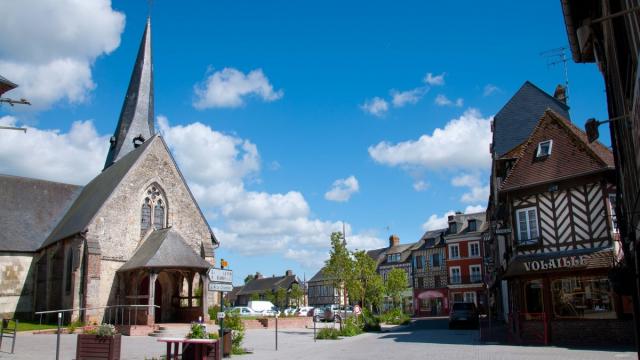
477	191
435	222
73	157
47	47
434	80
490	89
420	185
442	100
376	106
229	88
342	189
463	143
402	98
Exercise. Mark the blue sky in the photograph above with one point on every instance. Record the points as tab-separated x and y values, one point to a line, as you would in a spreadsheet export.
300	75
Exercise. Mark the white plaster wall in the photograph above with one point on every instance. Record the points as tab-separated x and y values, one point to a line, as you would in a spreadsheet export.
16	283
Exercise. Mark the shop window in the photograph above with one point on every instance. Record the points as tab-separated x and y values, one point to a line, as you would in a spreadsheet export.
470	297
458	297
586	298
425	305
533	296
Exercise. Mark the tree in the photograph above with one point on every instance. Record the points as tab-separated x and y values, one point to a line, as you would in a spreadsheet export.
280	296
396	284
254	297
296	294
249	278
339	267
365	283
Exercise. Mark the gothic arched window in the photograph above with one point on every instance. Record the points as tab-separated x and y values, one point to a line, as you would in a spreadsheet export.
153	211
145	218
158	215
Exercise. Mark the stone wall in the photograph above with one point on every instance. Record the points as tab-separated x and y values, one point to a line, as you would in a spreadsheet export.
117	224
16	283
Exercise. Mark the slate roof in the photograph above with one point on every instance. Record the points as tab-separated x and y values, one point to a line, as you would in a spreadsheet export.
380	255
93	196
29	210
433	238
268	284
517	119
165	248
571	155
463	223
319	276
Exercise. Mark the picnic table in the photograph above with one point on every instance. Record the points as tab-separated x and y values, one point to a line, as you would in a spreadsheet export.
201	347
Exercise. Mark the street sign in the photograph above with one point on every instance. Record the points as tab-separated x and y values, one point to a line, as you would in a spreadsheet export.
216	286
220	275
357	310
221	314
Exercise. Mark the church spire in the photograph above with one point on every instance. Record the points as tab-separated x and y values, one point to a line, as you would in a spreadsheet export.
136	117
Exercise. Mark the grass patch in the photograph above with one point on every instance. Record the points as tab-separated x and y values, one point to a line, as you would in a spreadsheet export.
31	326
395	317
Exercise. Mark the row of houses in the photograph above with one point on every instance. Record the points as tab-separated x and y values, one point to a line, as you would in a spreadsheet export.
444	266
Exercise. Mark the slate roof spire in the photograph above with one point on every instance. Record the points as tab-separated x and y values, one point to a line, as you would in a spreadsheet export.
136	117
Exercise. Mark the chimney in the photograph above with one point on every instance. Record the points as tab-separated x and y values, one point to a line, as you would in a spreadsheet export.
258	276
394	240
289	273
560	94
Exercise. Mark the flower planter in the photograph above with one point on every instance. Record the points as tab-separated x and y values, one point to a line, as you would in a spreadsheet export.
98	347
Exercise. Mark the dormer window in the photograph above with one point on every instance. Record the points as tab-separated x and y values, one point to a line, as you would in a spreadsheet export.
544	148
453	228
393	257
473	225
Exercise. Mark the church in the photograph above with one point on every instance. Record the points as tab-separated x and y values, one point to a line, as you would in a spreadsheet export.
134	237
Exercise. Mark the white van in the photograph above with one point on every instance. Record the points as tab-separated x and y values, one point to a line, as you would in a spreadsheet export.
260	305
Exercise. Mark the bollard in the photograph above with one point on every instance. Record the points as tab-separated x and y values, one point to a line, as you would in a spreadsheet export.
276	332
58	336
314	329
221	331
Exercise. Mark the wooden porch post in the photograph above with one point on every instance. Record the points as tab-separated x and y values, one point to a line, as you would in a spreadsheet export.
205	291
190	276
151	313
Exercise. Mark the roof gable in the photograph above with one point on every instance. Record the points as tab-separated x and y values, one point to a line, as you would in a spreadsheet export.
165	248
516	120
571	155
94	195
268	284
30	209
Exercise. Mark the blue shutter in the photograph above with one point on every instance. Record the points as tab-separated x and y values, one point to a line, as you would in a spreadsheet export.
424	262
414	262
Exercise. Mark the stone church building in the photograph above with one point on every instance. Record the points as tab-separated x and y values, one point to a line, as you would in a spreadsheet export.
134	235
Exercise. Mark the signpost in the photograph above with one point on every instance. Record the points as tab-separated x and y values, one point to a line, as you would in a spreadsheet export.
224	287
357	310
220	275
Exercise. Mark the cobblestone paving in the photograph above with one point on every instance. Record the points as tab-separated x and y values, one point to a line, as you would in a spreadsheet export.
426	339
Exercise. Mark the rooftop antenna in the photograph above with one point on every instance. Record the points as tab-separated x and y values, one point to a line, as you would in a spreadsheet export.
555	57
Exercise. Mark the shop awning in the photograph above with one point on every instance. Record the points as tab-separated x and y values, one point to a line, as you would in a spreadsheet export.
429	294
565	261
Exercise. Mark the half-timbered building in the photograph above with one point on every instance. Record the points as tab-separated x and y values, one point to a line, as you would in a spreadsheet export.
430	292
556	218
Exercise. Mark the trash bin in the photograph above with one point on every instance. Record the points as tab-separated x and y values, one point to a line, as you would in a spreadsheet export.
226	341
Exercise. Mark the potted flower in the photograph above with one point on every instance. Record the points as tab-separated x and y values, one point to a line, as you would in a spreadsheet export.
100	343
199	331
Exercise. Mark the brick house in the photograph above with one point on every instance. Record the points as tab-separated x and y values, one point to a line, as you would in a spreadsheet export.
430	290
465	265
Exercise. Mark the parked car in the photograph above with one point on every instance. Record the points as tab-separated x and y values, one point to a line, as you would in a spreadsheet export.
304	311
464	313
334	313
261	305
318	314
289	311
244	311
271	312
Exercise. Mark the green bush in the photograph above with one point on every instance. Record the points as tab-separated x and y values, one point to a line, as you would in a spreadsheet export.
352	327
395	317
198	331
74	325
328	334
233	322
370	321
213	313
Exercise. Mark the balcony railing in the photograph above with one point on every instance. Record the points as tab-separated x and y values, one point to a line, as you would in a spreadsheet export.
459	279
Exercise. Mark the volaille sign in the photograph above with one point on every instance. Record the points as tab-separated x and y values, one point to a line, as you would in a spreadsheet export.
558	263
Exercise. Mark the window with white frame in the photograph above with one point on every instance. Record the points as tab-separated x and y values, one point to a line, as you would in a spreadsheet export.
393	257
474	249
454	251
612	210
544	148
527	221
473	225
470	296
476	273
455	276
